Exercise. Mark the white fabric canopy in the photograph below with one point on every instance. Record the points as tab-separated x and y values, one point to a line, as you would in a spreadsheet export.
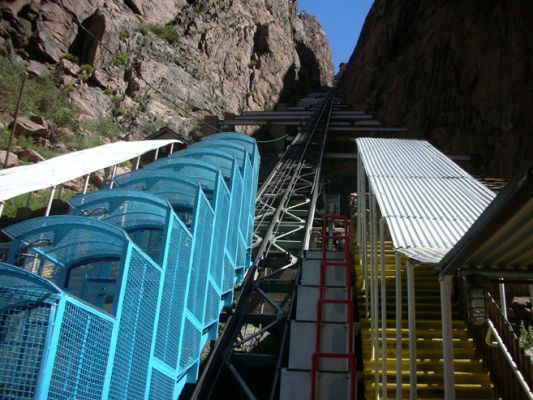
29	178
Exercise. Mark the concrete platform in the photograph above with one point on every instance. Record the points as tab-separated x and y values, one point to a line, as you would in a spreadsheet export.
303	344
307	304
335	276
296	385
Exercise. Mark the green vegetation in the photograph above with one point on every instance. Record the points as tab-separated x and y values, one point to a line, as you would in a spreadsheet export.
108	91
121	59
526	336
103	127
38	201
42	95
252	63
249	94
28	143
165	32
124	112
87	69
71	57
124	34
116	100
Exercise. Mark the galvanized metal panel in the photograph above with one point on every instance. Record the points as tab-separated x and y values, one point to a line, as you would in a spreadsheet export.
427	200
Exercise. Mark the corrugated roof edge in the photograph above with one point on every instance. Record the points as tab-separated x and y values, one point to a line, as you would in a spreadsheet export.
517	192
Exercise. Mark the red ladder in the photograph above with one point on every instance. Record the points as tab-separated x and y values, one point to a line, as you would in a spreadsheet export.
325	263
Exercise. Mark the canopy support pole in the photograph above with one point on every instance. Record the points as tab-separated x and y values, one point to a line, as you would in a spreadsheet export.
383	309
86	185
503	300
113	174
412	328
374	266
398	268
137	163
156	153
171	148
1	208
50	200
364	249
447	335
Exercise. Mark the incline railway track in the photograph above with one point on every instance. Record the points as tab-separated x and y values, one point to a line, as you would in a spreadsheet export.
247	358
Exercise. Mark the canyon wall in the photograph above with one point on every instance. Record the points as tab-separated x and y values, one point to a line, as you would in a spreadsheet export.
169	62
456	73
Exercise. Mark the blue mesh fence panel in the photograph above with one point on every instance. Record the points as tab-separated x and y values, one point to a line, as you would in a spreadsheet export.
161	386
201	256
235	212
190	348
174	295
81	355
133	347
23	331
241	251
212	305
220	233
246	202
229	273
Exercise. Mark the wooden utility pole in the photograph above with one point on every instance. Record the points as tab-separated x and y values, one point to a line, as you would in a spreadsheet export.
15	120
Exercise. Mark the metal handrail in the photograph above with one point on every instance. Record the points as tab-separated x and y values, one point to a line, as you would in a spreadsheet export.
507	343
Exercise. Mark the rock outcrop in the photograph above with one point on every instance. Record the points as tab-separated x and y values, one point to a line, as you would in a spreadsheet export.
174	60
456	73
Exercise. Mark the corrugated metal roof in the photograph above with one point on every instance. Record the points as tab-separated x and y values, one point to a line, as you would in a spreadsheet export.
501	240
428	201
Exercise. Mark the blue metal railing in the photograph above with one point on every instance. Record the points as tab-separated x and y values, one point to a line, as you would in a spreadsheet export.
117	299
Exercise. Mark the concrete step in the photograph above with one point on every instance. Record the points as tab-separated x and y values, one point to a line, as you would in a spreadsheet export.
436	391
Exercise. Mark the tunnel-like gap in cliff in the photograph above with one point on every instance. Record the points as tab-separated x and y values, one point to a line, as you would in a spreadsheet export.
85	45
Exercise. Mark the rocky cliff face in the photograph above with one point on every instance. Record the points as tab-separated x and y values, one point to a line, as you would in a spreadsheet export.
170	62
457	73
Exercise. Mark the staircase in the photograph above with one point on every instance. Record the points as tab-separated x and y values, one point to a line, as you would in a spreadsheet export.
471	378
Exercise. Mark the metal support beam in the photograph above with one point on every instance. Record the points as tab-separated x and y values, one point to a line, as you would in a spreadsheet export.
1	208
283	226
412	328
375	294
503	298
383	309
447	335
398	277
50	200
86	185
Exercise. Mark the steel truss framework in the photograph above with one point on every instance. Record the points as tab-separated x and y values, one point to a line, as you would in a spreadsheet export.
285	212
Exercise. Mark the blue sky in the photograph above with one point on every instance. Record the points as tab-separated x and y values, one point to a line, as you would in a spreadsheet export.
342	20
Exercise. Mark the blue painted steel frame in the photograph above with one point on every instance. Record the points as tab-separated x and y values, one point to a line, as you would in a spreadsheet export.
165	306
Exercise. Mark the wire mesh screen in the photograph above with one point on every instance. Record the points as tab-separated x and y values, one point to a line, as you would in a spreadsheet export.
81	354
56	339
138	311
174	294
235	212
229	274
190	349
23	331
201	256
220	233
212	305
161	386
